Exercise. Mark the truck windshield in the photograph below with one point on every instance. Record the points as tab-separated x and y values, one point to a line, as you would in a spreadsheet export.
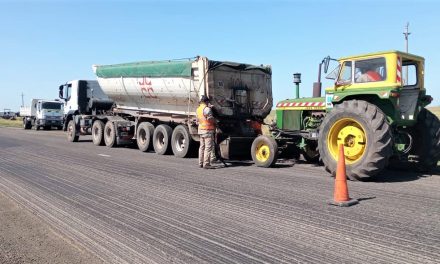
51	105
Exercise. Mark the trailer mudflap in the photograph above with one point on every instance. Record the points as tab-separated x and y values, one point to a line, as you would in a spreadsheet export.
236	148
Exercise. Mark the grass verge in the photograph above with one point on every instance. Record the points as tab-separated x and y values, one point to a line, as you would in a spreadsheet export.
10	123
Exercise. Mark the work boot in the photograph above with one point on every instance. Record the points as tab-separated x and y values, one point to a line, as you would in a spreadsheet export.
200	165
215	161
207	166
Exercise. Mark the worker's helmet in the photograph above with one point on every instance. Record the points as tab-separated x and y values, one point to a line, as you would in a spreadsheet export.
204	99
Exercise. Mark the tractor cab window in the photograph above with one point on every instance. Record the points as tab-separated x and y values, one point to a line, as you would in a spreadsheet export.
345	74
409	74
333	74
371	70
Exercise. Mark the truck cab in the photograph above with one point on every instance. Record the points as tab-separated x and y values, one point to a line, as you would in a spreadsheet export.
78	94
42	113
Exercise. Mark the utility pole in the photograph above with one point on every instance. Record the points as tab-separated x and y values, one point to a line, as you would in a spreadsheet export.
406	33
22	99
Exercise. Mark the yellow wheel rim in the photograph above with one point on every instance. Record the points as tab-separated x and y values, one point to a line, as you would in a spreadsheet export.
263	152
351	134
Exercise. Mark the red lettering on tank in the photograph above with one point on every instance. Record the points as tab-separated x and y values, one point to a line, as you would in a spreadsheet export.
146	88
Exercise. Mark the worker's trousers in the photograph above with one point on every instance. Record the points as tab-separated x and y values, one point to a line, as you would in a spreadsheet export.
206	147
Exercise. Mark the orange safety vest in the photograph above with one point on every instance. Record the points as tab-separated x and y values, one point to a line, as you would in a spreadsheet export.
204	123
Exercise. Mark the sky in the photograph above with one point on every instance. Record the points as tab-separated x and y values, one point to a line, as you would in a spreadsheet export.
46	43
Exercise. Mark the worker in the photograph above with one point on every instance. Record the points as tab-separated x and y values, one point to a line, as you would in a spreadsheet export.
206	132
369	76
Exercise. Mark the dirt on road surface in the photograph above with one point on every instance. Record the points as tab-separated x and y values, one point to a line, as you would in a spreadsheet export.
24	238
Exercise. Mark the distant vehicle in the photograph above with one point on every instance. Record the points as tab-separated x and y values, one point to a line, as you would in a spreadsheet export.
42	114
8	114
154	104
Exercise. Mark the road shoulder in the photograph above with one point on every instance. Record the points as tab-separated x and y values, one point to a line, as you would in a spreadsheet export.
24	238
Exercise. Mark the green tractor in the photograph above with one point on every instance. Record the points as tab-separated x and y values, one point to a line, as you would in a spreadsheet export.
376	110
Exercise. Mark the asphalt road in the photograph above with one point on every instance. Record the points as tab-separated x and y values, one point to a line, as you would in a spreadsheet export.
125	206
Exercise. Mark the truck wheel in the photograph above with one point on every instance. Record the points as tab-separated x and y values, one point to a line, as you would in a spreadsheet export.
26	125
71	132
110	134
366	135
264	151
98	133
428	140
161	139
144	136
181	141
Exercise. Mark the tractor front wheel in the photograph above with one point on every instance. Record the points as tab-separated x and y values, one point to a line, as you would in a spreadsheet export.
364	132
264	151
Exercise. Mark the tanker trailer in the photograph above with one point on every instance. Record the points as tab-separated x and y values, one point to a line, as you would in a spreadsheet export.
155	105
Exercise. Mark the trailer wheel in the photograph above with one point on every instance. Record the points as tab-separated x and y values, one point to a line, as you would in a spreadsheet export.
427	140
110	134
161	139
181	141
98	133
71	131
144	136
264	151
366	135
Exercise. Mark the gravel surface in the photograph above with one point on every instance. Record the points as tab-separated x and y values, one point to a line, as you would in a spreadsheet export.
125	206
25	238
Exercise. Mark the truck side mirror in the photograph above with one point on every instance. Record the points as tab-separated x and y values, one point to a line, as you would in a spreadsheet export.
61	94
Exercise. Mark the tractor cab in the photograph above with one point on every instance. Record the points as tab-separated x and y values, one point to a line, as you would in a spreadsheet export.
393	80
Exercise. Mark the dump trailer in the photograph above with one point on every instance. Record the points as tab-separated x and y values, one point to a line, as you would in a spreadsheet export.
376	110
154	104
42	114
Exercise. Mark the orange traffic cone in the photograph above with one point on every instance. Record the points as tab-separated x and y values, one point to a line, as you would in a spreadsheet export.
341	197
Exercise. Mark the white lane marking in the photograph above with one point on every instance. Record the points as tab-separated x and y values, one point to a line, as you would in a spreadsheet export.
104	155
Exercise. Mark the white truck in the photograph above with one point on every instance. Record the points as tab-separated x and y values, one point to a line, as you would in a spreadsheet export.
42	114
154	104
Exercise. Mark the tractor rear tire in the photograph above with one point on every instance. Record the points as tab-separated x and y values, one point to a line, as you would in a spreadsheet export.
98	133
428	140
264	151
366	135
